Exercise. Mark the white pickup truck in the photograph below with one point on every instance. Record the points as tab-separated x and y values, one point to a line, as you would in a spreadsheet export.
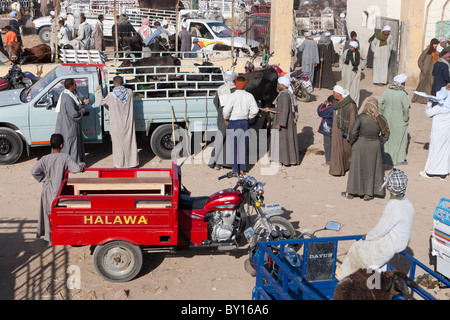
212	32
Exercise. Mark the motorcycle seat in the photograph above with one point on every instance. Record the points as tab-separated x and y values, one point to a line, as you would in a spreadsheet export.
193	203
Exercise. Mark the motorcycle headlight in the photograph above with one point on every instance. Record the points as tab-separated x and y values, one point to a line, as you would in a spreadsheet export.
260	188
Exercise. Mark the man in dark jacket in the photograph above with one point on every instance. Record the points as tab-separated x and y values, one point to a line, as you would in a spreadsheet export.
441	73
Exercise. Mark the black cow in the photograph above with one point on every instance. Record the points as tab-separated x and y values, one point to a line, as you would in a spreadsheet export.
168	61
262	84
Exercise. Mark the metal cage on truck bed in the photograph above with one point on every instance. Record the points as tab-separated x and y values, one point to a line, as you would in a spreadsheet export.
314	278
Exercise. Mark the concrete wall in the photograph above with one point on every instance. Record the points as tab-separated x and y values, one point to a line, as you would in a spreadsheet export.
412	17
361	17
417	24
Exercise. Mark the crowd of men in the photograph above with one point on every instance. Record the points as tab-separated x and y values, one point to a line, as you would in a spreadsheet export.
358	139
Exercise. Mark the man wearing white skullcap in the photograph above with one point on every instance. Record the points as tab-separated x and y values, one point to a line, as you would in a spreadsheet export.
186	39
401	78
284	148
354	44
345	112
216	15
442	44
351	65
394	105
219	153
382	46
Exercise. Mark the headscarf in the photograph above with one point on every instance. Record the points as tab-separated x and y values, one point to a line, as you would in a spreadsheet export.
343	109
398	83
323	39
229	76
354	44
371	108
241	82
70	94
284	81
396	182
344	93
145	30
123	19
121	94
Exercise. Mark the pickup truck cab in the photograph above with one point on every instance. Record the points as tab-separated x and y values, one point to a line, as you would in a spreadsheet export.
212	32
28	117
215	32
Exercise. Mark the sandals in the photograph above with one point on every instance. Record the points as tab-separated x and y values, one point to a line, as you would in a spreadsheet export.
348	196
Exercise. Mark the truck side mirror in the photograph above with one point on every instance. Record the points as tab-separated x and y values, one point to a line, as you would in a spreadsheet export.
46	101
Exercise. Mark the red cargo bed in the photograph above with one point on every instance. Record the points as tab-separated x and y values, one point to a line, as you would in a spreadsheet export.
139	206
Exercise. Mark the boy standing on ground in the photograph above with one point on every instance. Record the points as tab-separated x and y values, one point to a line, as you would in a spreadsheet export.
50	170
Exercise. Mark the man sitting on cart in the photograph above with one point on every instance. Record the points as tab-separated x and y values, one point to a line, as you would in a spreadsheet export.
391	234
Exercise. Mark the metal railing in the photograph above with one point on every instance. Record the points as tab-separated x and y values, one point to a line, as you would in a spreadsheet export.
288	283
151	82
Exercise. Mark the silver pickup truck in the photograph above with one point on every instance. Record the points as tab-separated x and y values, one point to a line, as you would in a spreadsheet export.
180	98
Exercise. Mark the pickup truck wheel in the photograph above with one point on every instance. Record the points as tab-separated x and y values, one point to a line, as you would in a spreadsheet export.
161	141
11	146
118	261
45	34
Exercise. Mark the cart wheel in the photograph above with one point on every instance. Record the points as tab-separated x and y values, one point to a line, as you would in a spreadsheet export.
118	261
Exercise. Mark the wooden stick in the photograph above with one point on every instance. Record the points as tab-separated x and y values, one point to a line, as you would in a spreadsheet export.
173	127
271	111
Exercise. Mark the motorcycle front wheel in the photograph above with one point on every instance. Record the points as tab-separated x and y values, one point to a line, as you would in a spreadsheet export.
278	223
303	96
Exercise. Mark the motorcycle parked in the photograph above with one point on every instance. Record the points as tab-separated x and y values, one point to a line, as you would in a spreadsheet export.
291	254
16	79
301	85
229	213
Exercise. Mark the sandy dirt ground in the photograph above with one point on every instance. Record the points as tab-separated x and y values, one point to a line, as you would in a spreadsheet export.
31	269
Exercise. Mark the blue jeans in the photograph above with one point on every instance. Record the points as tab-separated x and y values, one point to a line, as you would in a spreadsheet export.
238	140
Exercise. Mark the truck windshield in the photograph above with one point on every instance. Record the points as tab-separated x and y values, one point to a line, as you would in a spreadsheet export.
220	30
30	93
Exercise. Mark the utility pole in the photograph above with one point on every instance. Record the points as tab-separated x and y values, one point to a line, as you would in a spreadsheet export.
115	26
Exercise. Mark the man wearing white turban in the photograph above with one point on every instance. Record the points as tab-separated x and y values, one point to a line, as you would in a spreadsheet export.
186	39
284	147
345	112
351	65
394	105
382	46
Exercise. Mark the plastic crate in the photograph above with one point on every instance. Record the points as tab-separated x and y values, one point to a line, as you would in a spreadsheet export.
442	211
